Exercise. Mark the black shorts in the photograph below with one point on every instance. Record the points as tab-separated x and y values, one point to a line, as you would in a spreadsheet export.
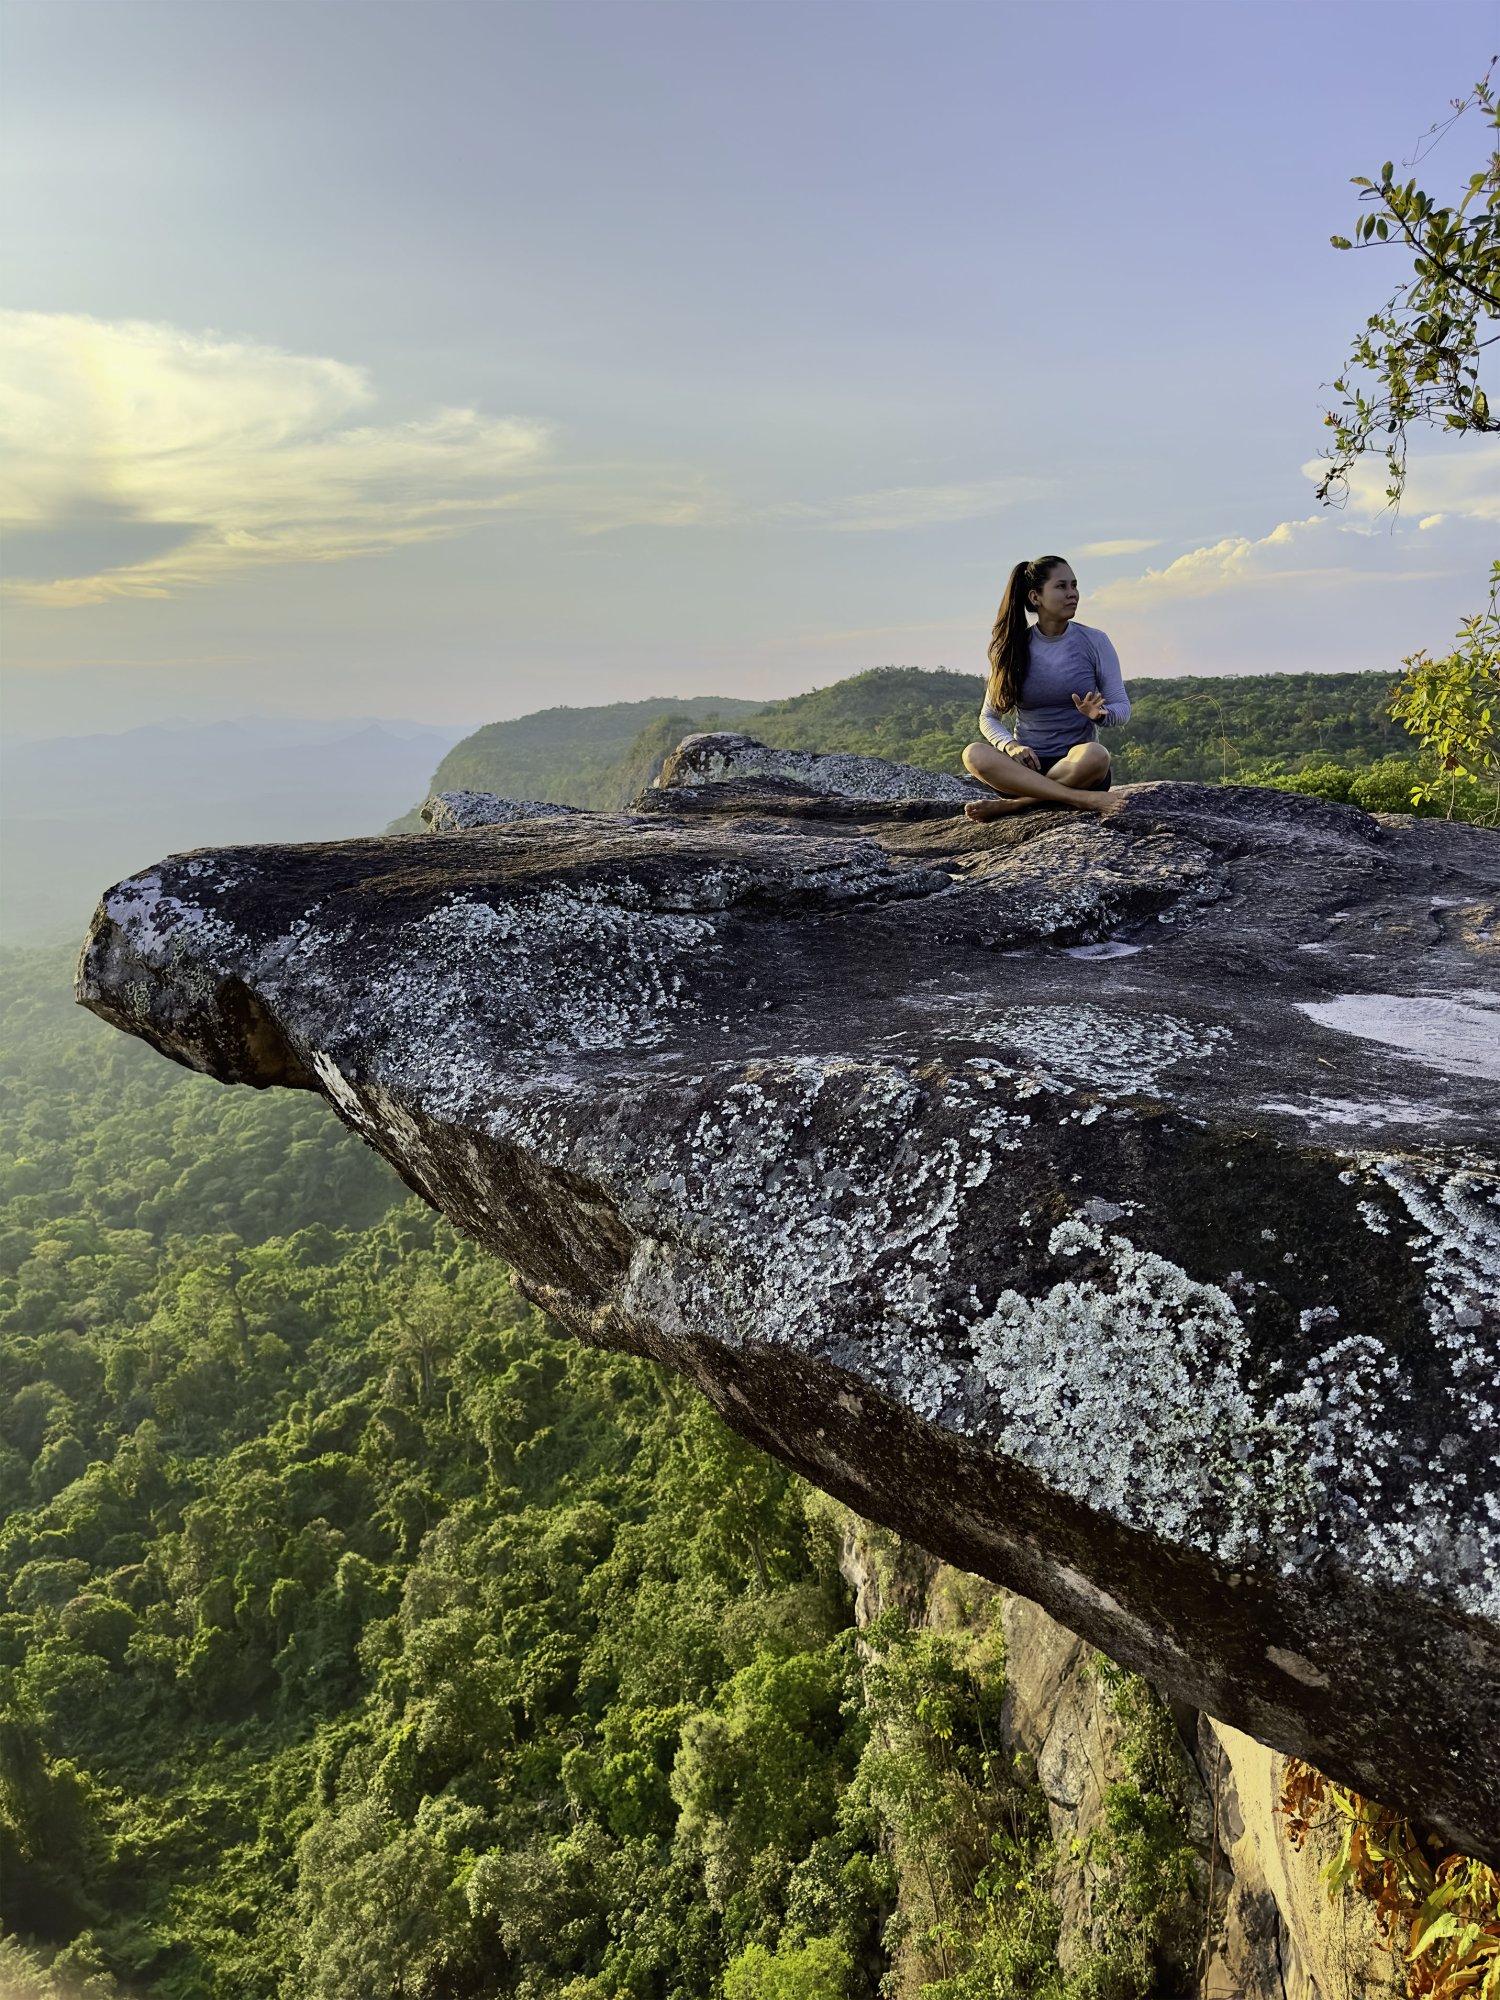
1047	763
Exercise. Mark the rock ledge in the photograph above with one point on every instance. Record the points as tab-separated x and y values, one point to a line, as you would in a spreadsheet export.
1110	1204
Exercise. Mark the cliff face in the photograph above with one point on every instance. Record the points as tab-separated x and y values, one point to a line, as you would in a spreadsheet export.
1109	1204
1261	1923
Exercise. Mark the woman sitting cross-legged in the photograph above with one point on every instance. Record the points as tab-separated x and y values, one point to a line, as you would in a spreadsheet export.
1061	678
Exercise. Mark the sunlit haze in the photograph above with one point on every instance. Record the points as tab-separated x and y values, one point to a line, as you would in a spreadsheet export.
448	362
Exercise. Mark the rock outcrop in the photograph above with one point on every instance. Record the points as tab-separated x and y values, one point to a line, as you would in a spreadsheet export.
1109	1204
723	757
456	812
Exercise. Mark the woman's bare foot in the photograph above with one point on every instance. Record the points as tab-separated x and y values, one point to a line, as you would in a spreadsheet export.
988	809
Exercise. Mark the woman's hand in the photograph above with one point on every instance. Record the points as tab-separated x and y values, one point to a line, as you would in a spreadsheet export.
1027	757
1091	704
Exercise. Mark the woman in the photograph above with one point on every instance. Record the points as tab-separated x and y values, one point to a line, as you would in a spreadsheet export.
1061	678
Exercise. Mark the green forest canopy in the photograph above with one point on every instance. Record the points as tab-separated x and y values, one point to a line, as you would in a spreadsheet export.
362	1638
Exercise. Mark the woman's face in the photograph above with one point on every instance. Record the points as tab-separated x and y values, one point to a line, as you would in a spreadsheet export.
1058	596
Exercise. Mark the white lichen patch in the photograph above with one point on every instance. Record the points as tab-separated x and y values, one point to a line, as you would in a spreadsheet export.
784	1220
1458	1216
1114	1051
1414	1514
156	920
1131	1390
1125	1390
1312	1317
561	971
1363	1113
176	939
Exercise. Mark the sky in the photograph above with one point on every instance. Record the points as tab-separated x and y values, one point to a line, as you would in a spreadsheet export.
443	360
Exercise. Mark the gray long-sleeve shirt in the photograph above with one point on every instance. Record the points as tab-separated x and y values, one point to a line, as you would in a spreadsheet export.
1081	658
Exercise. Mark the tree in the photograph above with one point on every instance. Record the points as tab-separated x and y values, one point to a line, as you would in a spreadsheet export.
421	1332
820	1969
1419	356
1417	360
1451	706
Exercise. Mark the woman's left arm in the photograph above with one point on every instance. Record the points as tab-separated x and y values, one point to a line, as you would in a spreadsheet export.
1111	683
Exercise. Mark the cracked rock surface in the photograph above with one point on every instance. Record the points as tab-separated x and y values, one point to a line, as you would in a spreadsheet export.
1110	1204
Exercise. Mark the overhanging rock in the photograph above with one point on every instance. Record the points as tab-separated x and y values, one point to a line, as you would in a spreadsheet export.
1109	1203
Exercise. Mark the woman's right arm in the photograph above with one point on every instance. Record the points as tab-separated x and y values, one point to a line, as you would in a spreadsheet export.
996	732
992	728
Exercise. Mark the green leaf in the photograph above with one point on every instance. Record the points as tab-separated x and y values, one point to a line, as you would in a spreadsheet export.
1440	1927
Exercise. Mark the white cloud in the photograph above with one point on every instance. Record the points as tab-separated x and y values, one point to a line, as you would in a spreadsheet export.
1235	563
1124	547
141	460
897	509
1322	552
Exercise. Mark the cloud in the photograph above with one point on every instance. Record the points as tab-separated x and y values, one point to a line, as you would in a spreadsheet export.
1321	552
897	509
140	461
1235	563
1125	547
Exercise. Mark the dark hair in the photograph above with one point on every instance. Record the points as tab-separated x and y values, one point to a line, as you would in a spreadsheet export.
1010	641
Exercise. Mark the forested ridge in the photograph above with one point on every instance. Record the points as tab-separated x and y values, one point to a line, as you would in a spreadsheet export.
572	755
362	1636
1330	734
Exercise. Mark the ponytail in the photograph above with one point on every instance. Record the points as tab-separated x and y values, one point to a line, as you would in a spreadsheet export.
1010	642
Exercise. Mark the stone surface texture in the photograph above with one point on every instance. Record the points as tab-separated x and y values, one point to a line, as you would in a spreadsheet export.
1108	1203
1281	1936
455	812
719	757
